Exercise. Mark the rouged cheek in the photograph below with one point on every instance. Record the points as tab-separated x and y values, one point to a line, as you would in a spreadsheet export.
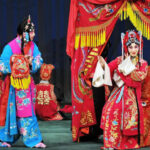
31	33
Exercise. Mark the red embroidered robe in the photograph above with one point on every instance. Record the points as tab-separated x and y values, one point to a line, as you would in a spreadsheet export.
145	138
46	105
121	119
4	99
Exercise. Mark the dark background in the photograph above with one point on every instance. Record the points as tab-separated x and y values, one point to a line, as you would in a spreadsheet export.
51	20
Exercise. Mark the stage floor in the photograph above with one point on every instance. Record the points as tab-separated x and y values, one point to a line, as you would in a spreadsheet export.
57	136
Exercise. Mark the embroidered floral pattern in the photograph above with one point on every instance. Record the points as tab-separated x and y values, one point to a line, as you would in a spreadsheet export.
139	75
86	118
37	61
26	130
23	131
131	115
21	94
23	102
3	67
74	132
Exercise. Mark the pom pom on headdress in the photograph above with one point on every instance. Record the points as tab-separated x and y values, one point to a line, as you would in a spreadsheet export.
29	26
29	19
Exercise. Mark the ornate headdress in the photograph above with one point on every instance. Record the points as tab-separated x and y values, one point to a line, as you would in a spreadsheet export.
130	37
23	29
29	25
46	70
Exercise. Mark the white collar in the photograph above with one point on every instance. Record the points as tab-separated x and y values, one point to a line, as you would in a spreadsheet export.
44	81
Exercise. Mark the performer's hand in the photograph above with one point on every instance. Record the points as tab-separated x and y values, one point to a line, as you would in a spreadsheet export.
29	58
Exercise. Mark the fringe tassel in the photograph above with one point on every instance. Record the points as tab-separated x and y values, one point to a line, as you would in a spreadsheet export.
135	19
20	83
90	39
77	39
147	31
98	38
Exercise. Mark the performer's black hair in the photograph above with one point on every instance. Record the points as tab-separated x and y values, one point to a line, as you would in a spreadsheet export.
20	30
21	26
24	26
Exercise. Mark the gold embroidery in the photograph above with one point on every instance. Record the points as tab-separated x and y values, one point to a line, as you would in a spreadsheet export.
131	114
90	58
89	117
40	97
43	97
107	91
86	118
0	92
86	89
94	53
146	87
138	75
46	97
74	132
145	138
83	120
114	135
106	120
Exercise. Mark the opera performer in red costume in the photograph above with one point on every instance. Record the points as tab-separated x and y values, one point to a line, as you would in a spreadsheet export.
46	105
20	58
145	138
122	116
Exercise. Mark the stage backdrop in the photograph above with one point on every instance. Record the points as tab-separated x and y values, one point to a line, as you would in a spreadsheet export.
51	21
50	18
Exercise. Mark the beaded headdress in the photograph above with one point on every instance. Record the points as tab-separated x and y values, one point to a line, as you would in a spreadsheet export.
130	37
29	25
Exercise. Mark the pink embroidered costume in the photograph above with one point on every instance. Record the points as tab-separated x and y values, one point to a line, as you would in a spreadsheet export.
122	116
19	58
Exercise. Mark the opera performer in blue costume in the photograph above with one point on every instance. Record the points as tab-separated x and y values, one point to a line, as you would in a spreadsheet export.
19	59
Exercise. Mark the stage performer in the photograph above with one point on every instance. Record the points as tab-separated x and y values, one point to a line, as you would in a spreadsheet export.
46	105
145	138
122	116
19	58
